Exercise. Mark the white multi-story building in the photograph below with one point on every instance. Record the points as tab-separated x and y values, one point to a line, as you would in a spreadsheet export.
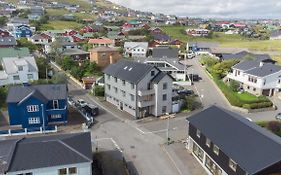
18	70
139	89
136	49
68	154
258	78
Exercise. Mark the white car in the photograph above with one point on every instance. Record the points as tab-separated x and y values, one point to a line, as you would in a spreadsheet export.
81	102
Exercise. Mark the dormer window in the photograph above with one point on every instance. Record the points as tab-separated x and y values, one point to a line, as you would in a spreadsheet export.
55	104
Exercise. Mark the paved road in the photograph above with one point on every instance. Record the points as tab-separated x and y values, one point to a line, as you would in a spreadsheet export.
138	145
210	95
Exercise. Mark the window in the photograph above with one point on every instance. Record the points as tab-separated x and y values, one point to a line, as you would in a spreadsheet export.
232	164
32	108
33	120
164	97
108	77
152	73
124	82
212	166
123	93
115	79
16	77
254	89
132	97
72	170
132	86
198	133
30	76
198	152
115	89
164	86
55	116
108	87
63	171
20	68
208	142
164	109
216	149
55	104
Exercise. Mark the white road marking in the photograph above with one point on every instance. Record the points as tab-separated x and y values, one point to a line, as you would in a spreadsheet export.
110	139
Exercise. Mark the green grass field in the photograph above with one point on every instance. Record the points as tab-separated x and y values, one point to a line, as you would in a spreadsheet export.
232	41
62	25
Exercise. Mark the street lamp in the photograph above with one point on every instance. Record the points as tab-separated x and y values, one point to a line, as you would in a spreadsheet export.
168	126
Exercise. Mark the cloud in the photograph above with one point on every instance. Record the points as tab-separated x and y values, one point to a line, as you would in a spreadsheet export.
209	8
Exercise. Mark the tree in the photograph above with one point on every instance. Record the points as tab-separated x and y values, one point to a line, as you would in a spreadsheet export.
23	42
68	63
208	61
3	95
222	68
234	85
98	91
59	78
3	20
43	67
76	72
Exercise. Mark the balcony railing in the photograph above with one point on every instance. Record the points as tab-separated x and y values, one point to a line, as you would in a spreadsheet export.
146	92
142	104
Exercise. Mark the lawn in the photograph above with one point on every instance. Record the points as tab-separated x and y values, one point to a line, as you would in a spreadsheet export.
277	58
62	25
233	41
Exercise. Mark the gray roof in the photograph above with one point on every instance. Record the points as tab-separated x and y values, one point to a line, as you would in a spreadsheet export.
45	151
11	64
128	70
165	52
43	92
275	33
173	62
250	146
160	76
266	69
132	45
74	51
243	54
246	65
8	41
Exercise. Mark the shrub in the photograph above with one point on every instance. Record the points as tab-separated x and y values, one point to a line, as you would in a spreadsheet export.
274	126
234	85
98	91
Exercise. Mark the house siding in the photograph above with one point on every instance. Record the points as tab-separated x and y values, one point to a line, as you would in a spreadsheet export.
222	159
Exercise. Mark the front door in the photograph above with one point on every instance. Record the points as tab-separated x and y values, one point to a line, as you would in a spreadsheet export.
121	106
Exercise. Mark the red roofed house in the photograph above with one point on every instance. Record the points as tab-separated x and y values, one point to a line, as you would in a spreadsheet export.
102	42
87	29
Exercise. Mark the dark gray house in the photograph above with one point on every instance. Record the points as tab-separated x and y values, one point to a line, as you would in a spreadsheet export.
56	154
225	143
165	52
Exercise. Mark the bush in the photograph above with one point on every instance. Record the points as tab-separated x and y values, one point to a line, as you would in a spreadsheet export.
98	91
258	105
234	85
274	126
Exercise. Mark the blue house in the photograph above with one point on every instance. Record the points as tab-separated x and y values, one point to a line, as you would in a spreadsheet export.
37	105
22	31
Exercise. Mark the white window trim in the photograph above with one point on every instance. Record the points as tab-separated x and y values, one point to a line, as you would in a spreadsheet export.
32	108
57	101
216	152
208	142
232	162
198	133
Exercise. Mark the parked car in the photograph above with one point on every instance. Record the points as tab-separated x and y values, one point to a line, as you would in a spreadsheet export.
81	102
70	101
185	92
194	77
278	116
91	110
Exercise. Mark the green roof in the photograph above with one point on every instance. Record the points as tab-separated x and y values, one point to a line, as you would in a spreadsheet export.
14	52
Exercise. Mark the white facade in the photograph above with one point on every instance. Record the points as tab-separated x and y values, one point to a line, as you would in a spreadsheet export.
18	70
141	99
257	85
82	169
136	49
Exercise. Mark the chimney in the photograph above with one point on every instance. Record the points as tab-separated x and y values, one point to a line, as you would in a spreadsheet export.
261	64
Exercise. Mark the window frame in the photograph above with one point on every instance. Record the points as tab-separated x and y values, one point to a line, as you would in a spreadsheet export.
232	165
57	103
198	133
216	149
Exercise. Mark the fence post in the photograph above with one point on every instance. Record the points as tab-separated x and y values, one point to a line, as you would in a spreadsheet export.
10	133
41	130
25	131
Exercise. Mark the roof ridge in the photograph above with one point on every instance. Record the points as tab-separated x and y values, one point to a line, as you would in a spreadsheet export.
13	154
74	150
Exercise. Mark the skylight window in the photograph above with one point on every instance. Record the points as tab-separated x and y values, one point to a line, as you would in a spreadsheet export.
125	67
130	69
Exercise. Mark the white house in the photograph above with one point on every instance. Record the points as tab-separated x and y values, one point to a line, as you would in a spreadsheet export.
18	70
68	154
136	49
258	78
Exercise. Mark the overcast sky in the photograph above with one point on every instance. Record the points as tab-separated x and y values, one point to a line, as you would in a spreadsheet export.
209	8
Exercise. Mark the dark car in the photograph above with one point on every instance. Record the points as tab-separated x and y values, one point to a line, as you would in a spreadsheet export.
194	77
91	110
185	92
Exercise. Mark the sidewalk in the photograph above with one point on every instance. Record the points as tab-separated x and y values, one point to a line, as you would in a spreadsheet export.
184	160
